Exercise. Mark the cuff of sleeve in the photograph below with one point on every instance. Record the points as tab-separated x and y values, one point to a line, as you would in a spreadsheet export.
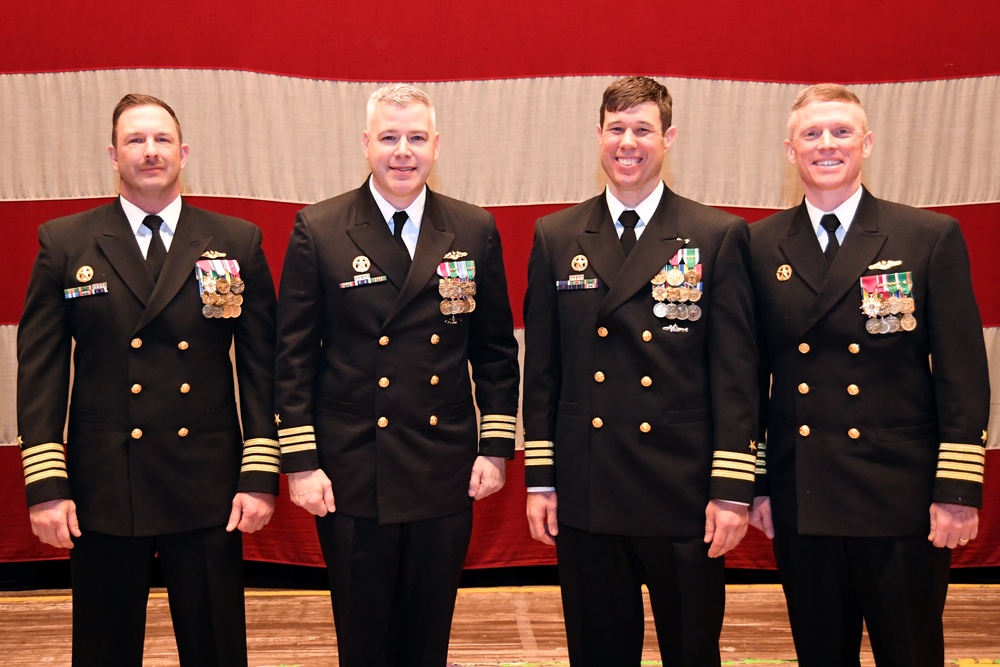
539	464
45	476
298	448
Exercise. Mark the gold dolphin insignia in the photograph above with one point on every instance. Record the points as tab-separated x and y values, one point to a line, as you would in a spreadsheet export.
213	254
884	265
455	254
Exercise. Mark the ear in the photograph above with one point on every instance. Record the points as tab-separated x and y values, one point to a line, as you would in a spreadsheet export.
113	154
437	145
185	151
790	151
867	143
600	133
364	143
668	137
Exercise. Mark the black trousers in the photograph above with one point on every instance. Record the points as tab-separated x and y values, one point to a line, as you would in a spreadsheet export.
203	572
393	587
601	577
896	586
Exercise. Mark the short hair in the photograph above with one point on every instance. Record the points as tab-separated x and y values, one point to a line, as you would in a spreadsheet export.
401	95
138	100
824	92
631	91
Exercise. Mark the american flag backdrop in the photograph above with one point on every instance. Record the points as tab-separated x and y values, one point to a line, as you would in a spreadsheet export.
271	99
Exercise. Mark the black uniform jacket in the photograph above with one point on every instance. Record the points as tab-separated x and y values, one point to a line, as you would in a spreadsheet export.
373	381
862	434
638	421
154	443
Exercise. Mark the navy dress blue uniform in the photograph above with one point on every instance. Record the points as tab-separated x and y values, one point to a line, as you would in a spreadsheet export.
373	387
866	430
637	421
154	452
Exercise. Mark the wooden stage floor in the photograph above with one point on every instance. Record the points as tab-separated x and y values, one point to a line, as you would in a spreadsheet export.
518	626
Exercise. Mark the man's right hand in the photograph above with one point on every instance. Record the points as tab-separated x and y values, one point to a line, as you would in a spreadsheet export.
542	516
312	491
54	522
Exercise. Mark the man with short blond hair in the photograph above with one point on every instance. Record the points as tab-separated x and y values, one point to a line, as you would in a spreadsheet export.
874	463
389	292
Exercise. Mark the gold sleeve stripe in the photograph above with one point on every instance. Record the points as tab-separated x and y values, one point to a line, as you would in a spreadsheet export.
539	462
497	434
257	458
292	449
507	419
297	439
268	442
495	426
538	453
734	456
749	468
978	479
539	444
743	477
285	432
37	477
47	464
947	465
968	458
958	447
261	450
42	448
260	468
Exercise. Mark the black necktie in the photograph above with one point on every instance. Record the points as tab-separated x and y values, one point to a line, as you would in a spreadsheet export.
399	219
831	224
628	220
157	252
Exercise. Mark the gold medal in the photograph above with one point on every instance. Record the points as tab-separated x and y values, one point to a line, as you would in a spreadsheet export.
580	263
694	295
660	278
895	304
470	304
227	311
906	305
783	273
237	310
659	292
222	286
692	276
206	298
675	277
673	294
907	322
361	264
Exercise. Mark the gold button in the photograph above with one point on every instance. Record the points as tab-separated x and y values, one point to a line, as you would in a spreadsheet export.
645	427
435	339
183	432
136	388
383	341
434	420
647	336
804	430
597	422
804	348
136	343
435	379
136	433
602	332
646	381
382	422
185	388
599	376
854	433
183	345
383	382
803	388
854	348
852	389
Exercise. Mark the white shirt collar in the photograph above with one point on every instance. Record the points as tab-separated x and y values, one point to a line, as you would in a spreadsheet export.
170	215
845	213
645	209
415	210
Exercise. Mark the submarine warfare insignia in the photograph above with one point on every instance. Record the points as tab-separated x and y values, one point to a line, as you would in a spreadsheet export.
220	286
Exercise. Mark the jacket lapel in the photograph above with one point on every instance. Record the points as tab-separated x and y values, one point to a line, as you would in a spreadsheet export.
860	248
801	249
118	244
371	234
190	241
432	244
658	243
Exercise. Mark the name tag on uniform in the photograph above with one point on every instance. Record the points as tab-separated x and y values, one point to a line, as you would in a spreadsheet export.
85	290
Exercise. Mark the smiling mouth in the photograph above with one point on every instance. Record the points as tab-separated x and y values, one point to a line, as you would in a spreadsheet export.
828	163
628	161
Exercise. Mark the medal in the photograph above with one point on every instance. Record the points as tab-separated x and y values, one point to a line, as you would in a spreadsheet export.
908	322
671	311
872	326
660	310
893	323
694	313
682	312
675	277
580	263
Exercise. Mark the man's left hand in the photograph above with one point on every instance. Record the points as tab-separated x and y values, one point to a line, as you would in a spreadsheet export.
953	525
487	476
251	512
725	526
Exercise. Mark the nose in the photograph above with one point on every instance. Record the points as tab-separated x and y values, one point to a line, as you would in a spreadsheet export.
149	148
628	138
826	140
403	147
